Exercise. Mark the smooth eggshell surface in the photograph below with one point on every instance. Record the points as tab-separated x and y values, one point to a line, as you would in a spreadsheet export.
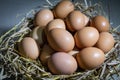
75	21
28	48
106	41
43	17
90	58
100	23
62	63
46	52
56	23
63	8
61	40
86	37
39	35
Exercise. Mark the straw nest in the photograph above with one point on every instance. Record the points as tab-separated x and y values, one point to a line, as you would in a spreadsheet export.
14	66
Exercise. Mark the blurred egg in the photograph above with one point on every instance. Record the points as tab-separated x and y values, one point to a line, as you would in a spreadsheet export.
90	58
43	17
75	21
100	23
46	52
86	37
60	40
63	8
56	23
106	41
39	35
62	63
86	20
28	48
73	52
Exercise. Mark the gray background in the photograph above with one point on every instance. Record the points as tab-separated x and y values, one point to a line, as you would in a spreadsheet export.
12	11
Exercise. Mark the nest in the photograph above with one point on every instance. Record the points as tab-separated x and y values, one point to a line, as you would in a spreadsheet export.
14	66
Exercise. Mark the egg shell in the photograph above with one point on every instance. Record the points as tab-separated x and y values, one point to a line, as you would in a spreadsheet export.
75	21
46	52
39	35
63	8
86	37
28	48
73	52
56	23
106	41
43	17
100	23
90	58
86	20
62	63
60	40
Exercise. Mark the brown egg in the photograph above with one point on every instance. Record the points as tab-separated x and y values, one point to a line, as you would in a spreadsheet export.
60	40
73	52
56	23
86	20
101	23
39	35
63	8
46	52
43	17
75	21
90	58
86	37
62	63
28	48
106	41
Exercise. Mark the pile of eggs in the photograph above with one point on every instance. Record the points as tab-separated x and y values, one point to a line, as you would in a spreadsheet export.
64	39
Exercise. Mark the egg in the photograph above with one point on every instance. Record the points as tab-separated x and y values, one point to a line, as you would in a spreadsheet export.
56	23
100	23
28	48
43	17
60	40
90	58
63	8
106	41
86	20
39	35
86	37
62	63
73	52
75	21
46	52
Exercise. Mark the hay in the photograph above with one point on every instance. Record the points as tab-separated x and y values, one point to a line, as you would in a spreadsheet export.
14	66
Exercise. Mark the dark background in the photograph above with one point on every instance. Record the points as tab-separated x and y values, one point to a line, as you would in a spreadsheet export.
12	11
